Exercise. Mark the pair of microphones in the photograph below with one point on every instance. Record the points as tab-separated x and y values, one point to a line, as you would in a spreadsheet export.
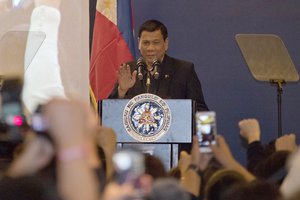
141	65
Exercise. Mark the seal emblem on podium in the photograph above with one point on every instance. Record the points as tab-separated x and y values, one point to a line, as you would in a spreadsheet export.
146	117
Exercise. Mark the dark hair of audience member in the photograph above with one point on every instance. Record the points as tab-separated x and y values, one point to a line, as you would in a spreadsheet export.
154	167
212	167
258	190
220	181
272	165
167	189
25	188
101	172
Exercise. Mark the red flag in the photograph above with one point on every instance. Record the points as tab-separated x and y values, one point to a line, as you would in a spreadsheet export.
112	44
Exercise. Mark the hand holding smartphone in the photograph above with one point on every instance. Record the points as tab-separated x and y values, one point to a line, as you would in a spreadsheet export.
206	130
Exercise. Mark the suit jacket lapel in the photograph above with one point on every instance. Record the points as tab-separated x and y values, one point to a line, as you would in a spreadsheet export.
166	75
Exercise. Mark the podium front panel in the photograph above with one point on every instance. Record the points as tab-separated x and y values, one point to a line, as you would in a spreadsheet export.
161	151
180	130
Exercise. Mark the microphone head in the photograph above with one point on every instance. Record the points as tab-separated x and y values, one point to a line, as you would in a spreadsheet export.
140	62
140	66
155	62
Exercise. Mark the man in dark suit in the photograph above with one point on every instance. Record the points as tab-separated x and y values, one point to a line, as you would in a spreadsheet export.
172	79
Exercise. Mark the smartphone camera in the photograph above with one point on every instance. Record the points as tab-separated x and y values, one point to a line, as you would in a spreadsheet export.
206	130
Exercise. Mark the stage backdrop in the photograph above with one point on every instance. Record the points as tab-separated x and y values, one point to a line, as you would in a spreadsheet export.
204	32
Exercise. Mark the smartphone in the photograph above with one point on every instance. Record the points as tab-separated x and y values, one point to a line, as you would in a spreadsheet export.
206	130
129	166
11	108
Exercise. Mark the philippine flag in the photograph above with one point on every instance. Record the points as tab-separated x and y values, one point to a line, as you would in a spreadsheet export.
112	45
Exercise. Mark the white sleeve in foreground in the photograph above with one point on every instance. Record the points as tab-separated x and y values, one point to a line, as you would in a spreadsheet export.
42	78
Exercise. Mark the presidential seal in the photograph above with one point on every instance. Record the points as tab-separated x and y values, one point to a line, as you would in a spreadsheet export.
146	117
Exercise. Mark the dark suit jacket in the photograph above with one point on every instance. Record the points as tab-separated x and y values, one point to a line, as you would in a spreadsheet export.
177	80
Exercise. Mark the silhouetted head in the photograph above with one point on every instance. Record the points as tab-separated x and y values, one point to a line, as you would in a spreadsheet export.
221	181
258	190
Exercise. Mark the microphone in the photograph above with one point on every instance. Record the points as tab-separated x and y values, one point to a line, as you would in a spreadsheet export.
156	63
140	66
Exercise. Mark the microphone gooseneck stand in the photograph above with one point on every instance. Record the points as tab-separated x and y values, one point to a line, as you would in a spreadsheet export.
148	82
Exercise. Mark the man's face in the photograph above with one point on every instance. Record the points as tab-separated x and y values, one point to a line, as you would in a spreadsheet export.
152	45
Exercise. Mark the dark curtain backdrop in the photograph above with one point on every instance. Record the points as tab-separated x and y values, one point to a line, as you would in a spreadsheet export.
203	32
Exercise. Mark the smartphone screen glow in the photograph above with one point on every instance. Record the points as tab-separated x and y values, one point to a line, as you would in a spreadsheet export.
206	129
16	3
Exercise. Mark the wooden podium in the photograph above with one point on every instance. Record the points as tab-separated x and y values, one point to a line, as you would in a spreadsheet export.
166	147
